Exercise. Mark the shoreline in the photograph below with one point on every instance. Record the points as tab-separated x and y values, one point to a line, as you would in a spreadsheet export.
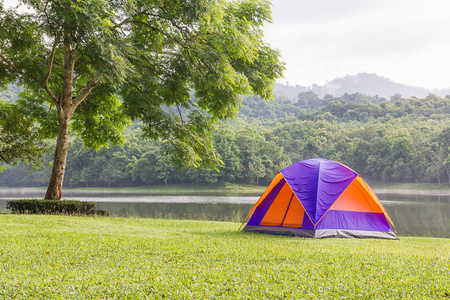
220	189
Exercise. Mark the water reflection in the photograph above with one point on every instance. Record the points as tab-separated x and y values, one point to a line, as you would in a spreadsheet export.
414	198
234	212
420	219
413	215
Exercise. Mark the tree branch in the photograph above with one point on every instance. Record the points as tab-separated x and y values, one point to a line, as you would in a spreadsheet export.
11	65
15	69
179	111
128	21
77	57
86	90
50	66
82	64
4	159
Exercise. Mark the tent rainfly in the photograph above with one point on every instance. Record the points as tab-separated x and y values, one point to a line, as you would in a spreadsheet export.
320	198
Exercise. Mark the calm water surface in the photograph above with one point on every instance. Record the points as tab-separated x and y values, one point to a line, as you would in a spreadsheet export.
412	214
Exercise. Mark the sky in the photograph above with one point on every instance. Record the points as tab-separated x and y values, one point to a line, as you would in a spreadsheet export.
407	41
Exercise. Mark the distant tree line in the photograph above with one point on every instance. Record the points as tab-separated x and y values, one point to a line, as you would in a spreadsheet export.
395	140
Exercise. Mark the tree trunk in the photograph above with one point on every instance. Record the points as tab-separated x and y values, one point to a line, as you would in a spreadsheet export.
439	175
447	170
54	190
65	112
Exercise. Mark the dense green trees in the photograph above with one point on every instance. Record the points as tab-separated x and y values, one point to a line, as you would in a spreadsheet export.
400	141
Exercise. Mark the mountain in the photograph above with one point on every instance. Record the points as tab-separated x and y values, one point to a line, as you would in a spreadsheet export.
365	83
289	91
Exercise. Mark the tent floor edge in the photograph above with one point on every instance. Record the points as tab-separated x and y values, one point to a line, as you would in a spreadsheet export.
276	230
321	233
345	233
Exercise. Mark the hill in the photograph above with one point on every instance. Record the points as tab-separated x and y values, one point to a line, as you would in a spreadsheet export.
364	83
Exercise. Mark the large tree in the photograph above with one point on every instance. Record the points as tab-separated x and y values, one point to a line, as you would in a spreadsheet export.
89	66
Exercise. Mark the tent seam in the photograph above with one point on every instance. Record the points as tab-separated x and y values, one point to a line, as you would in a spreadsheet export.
317	192
287	209
334	202
309	217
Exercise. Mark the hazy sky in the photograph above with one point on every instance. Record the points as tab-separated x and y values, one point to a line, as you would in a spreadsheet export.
407	41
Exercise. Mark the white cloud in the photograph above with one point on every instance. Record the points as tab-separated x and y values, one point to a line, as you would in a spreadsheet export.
406	41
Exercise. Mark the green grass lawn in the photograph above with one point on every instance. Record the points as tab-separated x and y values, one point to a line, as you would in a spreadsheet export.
67	257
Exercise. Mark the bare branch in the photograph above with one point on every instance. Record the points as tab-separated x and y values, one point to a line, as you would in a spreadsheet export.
151	70
11	65
77	57
178	107
80	55
45	84
82	64
84	91
4	159
50	66
129	21
136	87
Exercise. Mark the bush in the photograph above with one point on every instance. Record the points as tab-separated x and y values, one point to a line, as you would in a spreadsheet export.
34	206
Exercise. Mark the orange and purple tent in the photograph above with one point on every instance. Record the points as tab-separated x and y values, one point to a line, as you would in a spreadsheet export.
320	198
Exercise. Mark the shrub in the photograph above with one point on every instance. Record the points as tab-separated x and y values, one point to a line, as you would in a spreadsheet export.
34	206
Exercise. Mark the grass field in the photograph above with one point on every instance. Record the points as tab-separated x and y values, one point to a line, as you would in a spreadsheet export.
66	257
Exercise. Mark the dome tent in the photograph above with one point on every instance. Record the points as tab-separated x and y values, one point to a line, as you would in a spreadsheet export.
319	198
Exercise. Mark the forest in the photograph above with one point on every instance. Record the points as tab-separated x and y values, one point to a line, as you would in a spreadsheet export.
395	140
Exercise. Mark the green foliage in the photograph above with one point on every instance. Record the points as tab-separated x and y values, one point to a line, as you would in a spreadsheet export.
21	140
430	107
310	101
256	108
33	206
100	120
80	257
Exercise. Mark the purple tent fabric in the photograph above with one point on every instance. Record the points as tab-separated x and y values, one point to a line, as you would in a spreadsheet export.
317	183
352	220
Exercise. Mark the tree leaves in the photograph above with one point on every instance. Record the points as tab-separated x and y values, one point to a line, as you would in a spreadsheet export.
20	141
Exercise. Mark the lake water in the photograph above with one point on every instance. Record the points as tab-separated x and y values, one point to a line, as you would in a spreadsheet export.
413	214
